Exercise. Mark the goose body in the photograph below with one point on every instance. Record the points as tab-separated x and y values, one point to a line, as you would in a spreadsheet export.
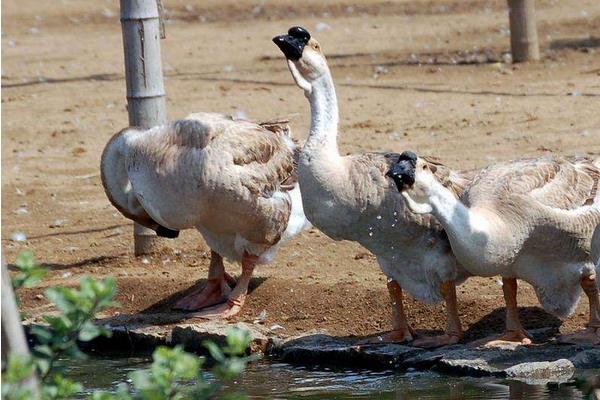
529	219
356	202
232	180
349	198
538	205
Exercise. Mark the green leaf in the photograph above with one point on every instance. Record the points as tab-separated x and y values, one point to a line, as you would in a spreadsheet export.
42	334
214	350
30	273
43	351
33	277
65	299
25	260
19	367
58	323
238	341
66	388
89	331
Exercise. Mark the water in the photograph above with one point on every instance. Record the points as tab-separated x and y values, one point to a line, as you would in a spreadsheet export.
273	380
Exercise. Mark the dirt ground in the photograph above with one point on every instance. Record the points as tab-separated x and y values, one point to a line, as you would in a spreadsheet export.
422	75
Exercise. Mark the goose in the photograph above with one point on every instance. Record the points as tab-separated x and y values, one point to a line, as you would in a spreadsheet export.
529	219
232	180
350	198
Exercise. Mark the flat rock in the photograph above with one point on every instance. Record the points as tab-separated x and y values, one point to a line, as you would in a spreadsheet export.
549	362
587	359
323	349
191	336
540	372
138	334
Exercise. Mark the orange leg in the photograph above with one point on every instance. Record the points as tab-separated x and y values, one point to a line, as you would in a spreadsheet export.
237	297
214	292
401	332
454	331
514	330
592	333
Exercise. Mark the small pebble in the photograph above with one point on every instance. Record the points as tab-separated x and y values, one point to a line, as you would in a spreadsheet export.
57	223
18	237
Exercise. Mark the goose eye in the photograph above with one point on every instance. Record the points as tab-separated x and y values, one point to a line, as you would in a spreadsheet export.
424	166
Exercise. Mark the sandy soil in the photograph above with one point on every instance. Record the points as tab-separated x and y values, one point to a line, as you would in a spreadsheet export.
421	75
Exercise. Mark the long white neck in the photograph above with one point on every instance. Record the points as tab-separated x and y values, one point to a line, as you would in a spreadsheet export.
324	117
468	230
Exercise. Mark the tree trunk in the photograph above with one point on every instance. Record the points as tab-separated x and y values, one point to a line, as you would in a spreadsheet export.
144	79
523	31
13	337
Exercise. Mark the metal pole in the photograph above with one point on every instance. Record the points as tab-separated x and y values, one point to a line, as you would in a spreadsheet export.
144	78
13	337
523	30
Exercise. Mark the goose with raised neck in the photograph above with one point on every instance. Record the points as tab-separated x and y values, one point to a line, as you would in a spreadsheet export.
349	198
529	219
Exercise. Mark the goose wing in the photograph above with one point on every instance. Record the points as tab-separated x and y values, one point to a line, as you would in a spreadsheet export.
560	183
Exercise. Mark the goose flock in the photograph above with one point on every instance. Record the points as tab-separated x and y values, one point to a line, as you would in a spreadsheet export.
249	187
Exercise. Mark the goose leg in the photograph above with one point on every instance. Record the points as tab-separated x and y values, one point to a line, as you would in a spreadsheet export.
401	331
592	333
214	292
454	331
514	330
237	297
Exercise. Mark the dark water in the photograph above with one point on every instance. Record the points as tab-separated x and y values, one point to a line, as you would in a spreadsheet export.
272	380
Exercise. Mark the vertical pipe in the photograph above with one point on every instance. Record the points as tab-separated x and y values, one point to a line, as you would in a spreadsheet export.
523	30
144	79
13	337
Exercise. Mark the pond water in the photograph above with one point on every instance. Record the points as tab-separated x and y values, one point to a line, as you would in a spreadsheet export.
274	380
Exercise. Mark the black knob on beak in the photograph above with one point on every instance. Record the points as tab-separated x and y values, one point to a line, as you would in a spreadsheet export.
403	172
300	33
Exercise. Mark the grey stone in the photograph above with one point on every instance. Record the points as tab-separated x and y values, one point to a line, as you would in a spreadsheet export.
471	367
323	349
587	359
192	336
542	372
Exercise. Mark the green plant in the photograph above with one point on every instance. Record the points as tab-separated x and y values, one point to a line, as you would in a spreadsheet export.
74	321
30	273
174	374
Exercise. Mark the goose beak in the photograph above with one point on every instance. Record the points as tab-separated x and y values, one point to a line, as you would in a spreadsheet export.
290	47
292	44
403	172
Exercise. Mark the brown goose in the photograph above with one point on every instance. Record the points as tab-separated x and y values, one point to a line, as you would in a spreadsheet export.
529	219
349	198
233	180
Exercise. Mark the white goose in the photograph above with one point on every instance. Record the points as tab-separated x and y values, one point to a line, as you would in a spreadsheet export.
233	180
349	198
529	219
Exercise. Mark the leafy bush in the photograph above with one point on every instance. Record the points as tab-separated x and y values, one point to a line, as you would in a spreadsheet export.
174	374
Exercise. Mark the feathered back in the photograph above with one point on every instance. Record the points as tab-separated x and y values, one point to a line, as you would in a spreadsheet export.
561	183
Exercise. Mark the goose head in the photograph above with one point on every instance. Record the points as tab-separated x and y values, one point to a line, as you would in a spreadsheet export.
304	56
413	177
